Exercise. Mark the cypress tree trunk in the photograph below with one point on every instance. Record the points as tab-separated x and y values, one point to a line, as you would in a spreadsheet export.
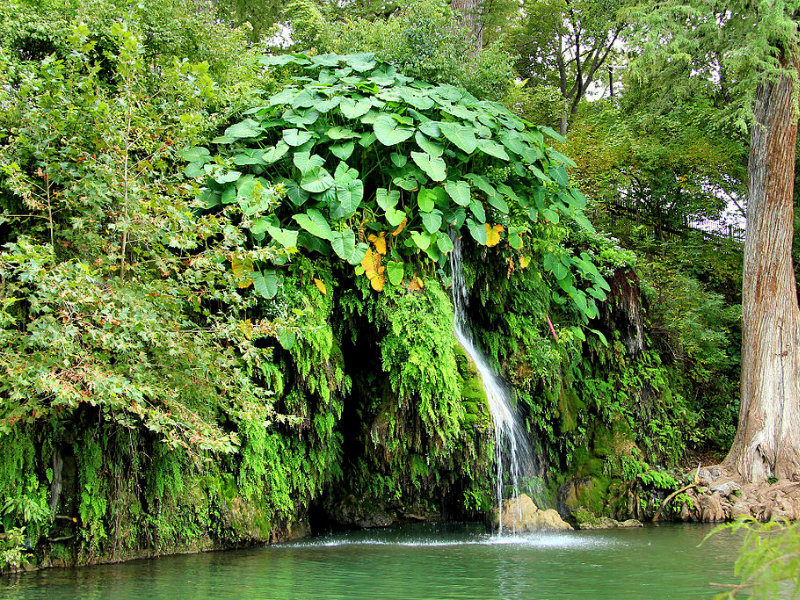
471	12
767	440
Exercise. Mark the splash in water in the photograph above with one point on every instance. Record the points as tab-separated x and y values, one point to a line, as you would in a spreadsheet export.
513	455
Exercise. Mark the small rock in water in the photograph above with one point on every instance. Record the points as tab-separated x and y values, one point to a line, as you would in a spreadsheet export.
522	515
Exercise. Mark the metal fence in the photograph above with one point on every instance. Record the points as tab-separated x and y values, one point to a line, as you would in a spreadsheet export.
671	226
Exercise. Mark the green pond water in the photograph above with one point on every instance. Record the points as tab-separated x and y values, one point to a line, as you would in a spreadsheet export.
431	562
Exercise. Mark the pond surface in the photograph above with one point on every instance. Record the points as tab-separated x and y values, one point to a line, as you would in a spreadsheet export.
430	562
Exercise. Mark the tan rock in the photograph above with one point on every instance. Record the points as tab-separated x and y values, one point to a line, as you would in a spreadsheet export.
522	515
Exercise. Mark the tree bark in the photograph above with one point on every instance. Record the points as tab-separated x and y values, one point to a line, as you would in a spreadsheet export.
471	12
767	442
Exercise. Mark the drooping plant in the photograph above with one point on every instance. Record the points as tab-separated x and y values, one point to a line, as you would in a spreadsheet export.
379	169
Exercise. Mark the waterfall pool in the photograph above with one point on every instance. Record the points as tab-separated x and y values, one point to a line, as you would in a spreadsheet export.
420	562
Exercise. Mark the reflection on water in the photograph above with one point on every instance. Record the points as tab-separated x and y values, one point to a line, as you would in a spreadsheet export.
417	562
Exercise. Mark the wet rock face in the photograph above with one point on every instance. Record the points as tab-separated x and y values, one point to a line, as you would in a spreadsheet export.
624	311
522	515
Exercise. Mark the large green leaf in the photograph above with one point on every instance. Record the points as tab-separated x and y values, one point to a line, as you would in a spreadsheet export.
477	230
493	149
395	271
341	133
394	216
266	283
314	223
477	209
387	199
244	129
431	129
275	153
354	109
348	199
432	221
324	106
295	193
361	62
285	96
422	240
434	168
458	191
344	244
462	136
305	161
196	154
316	180
296	137
513	142
343	151
444	242
559	157
426	200
389	132
429	146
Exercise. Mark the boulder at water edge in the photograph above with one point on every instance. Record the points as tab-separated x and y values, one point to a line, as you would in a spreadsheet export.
522	515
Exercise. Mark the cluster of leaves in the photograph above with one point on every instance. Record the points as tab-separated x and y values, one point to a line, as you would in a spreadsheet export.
768	564
100	300
424	40
377	166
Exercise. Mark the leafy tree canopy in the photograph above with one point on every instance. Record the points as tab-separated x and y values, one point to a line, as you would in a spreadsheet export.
379	169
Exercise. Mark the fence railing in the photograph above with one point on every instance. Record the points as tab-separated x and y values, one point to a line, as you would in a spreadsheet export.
676	226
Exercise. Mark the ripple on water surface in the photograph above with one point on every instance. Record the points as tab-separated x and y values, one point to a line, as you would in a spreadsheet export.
443	562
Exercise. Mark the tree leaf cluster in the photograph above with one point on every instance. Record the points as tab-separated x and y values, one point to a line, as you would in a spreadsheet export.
377	166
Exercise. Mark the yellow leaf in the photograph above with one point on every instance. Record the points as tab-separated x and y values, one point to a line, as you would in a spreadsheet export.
524	261
242	271
377	282
368	263
379	241
321	286
416	284
401	226
247	329
493	234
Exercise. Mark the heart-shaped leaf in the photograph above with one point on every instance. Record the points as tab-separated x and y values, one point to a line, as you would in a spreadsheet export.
422	240
343	151
314	223
296	137
493	149
432	221
344	244
354	109
462	136
458	191
395	217
316	180
389	132
387	199
477	209
395	271
245	129
266	283
444	242
425	200
429	146
477	230
435	168
304	161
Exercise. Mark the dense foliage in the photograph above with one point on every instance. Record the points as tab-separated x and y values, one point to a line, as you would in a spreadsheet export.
224	306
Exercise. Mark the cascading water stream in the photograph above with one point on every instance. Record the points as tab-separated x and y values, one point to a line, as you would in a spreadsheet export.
513	455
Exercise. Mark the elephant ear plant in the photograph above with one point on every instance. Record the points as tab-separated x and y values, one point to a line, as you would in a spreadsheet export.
377	169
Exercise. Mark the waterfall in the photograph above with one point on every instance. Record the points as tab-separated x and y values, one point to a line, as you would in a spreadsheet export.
513	457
